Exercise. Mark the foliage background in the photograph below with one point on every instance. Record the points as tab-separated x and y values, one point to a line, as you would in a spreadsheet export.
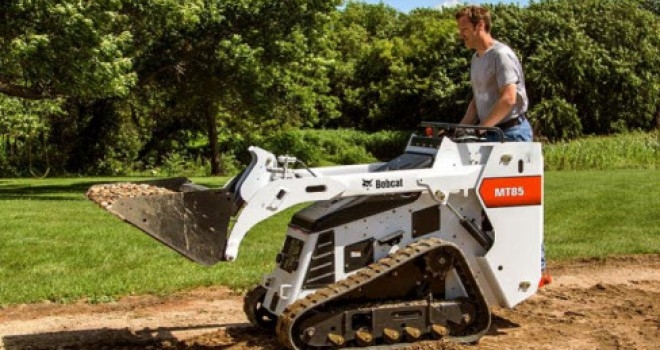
115	87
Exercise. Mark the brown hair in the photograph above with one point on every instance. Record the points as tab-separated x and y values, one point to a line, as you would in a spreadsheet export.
475	14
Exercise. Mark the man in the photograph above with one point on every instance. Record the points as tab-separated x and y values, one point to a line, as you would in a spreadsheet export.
498	87
498	83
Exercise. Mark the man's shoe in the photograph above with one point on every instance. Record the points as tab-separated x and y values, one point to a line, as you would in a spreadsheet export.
545	279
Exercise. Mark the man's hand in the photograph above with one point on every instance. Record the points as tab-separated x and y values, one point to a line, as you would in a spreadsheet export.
463	134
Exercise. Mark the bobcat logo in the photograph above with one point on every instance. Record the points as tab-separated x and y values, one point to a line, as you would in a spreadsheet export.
367	183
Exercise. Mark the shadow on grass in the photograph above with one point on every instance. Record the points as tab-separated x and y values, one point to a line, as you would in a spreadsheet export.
203	337
49	191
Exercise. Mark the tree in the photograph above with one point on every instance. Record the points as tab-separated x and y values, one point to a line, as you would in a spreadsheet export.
172	65
51	49
600	57
252	63
397	70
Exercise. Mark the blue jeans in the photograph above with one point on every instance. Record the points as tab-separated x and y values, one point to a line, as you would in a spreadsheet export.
519	133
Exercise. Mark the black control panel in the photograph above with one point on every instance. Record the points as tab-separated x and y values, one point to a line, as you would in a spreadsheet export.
425	142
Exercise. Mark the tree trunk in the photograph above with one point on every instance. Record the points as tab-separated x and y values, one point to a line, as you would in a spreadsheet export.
96	121
212	129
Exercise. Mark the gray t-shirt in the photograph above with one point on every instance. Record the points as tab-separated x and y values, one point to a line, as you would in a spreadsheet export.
497	67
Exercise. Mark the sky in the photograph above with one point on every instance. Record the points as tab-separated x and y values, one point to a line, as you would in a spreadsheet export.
407	5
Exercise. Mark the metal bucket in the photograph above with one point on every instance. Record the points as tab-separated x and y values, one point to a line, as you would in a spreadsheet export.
190	219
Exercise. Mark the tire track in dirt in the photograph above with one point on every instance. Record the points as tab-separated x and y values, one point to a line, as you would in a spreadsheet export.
609	303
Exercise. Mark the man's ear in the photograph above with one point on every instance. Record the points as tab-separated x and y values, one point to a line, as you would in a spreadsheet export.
480	26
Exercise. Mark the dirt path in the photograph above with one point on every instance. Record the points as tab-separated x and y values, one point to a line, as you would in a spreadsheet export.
592	304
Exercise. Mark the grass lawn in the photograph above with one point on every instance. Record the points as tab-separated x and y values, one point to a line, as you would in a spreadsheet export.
600	213
56	245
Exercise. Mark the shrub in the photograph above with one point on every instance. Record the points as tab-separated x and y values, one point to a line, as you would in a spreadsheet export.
556	119
295	143
344	146
385	145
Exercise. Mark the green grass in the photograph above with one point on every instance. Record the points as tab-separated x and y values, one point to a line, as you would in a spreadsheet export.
56	245
601	213
634	150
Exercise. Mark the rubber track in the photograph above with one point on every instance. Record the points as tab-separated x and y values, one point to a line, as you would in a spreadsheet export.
388	264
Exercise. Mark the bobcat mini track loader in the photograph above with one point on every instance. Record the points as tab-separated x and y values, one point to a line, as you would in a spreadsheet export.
387	254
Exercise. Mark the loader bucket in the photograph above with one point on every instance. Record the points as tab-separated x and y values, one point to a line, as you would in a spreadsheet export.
190	219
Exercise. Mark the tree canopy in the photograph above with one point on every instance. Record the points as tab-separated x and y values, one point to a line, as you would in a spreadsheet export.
91	86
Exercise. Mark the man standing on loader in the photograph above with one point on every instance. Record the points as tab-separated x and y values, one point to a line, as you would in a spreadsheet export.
498	86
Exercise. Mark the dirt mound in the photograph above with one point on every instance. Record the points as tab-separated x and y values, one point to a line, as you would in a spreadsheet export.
592	304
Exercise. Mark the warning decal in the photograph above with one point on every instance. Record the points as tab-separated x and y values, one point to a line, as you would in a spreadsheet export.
511	191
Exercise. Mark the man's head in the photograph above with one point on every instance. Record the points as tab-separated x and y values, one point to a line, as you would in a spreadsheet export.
473	24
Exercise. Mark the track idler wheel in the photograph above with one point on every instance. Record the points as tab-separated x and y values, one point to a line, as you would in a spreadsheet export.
256	313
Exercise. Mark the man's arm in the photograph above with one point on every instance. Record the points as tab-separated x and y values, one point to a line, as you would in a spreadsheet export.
503	106
470	117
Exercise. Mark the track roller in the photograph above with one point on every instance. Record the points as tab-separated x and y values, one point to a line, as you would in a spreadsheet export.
336	340
439	331
411	334
391	336
363	337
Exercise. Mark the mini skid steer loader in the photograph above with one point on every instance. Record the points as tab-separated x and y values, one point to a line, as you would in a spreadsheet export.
387	254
